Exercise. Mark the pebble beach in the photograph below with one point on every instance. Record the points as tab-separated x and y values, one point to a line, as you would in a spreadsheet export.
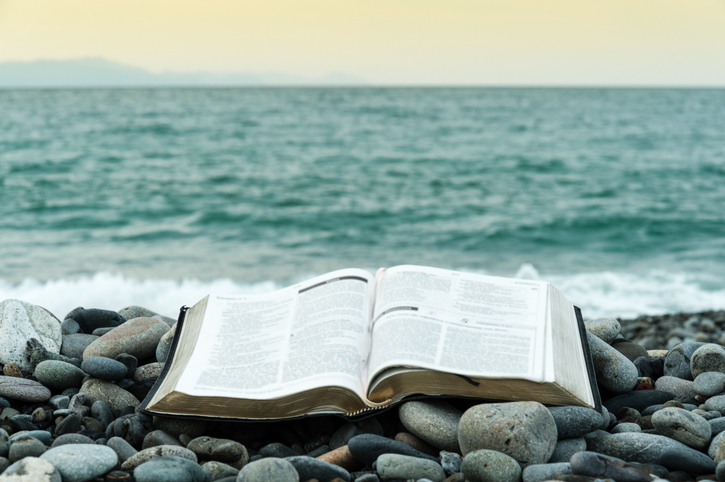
70	389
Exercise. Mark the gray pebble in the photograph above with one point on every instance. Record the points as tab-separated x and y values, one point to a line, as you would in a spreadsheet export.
159	437
215	470
159	451
104	368
606	329
707	358
717	425
42	435
566	448
614	371
169	468
343	435
25	446
101	411
434	421
714	444
59	401
677	361
490	466
543	472
69	327
23	390
716	403
74	345
682	389
223	450
308	468
396	466
137	337
80	462
71	438
574	421
123	449
681	425
626	427
709	384
91	319
267	469
597	465
131	312
451	462
525	431
116	397
368	447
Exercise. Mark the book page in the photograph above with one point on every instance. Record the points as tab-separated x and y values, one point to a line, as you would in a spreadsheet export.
312	334
462	323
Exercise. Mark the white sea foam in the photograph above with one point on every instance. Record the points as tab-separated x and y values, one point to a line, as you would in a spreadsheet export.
597	294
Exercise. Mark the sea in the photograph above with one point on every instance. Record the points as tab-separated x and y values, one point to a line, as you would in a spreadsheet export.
157	197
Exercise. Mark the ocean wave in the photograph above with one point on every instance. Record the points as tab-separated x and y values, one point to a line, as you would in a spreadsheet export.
598	294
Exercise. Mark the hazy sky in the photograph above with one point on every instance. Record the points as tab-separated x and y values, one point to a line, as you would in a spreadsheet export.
530	42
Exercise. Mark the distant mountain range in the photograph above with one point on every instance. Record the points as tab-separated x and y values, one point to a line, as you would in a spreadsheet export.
98	72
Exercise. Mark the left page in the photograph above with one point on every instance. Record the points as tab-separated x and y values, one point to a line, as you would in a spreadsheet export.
313	334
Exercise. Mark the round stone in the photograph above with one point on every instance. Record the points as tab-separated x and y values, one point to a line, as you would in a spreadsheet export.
525	431
159	451
574	421
137	337
681	425
169	468
591	464
490	466
133	311
210	448
627	427
434	421
59	375
677	361
21	321
682	389
708	358
540	472
368	447
92	319
218	470
566	448
25	446
709	384
116	397
266	469
80	462
396	466
606	329
74	345
311	468
104	368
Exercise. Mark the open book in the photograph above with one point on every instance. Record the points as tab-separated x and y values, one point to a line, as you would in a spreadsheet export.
347	342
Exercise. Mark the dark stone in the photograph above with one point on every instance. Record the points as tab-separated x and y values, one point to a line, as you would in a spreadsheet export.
677	361
104	368
639	400
278	450
574	422
70	424
310	468
94	318
629	349
368	447
598	465
74	345
130	361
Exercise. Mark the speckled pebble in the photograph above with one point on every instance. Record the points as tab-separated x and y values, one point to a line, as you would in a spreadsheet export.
681	425
30	469
159	451
169	468
574	421
525	431
566	448
677	361
104	368
23	390
434	421
80	462
543	472
606	329
490	466
614	371
223	450
682	389
58	375
268	469
707	358
709	384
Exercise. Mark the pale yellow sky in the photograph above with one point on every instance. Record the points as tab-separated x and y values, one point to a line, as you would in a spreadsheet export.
512	42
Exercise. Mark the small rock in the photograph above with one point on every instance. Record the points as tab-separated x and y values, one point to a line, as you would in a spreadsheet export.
223	450
23	390
131	312
525	431
19	323
566	448
158	451
74	345
146	375
159	437
396	466
25	446
58	375
71	438
682	389
597	465
342	458
639	400
104	368
683	426
90	319
308	468
627	427
574	421
629	349
490	466
434	421
543	472
123	449
451	462
81	463
268	469
677	361
709	384
12	370
707	358
137	337
116	397
606	329
215	470
368	447
615	372
164	346
169	468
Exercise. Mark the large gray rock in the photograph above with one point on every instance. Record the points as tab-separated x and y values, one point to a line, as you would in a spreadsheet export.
434	421
81	462
614	371
490	466
525	431
137	337
679	424
21	321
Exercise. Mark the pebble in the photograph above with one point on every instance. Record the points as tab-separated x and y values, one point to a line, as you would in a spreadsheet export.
146	375
137	337
716	403
21	321
159	451
101	411
214	470
25	446
268	469
566	448
614	372
309	468
130	361
626	427
116	397
681	425
159	437
606	329
131	312
59	401
164	347
396	466
30	469
416	443
80	462
368	447
93	318
277	449
104	368
58	375
343	435
75	345
632	351
543	472
575	421
169	468
23	390
71	438
717	425
341	457
123	449
682	389
648	448
434	421
490	466
597	465
69	327
709	384
42	435
12	370
525	431
223	450
69	424
451	462
708	358
677	361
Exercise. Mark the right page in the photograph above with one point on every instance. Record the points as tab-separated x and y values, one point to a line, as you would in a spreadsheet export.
467	324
